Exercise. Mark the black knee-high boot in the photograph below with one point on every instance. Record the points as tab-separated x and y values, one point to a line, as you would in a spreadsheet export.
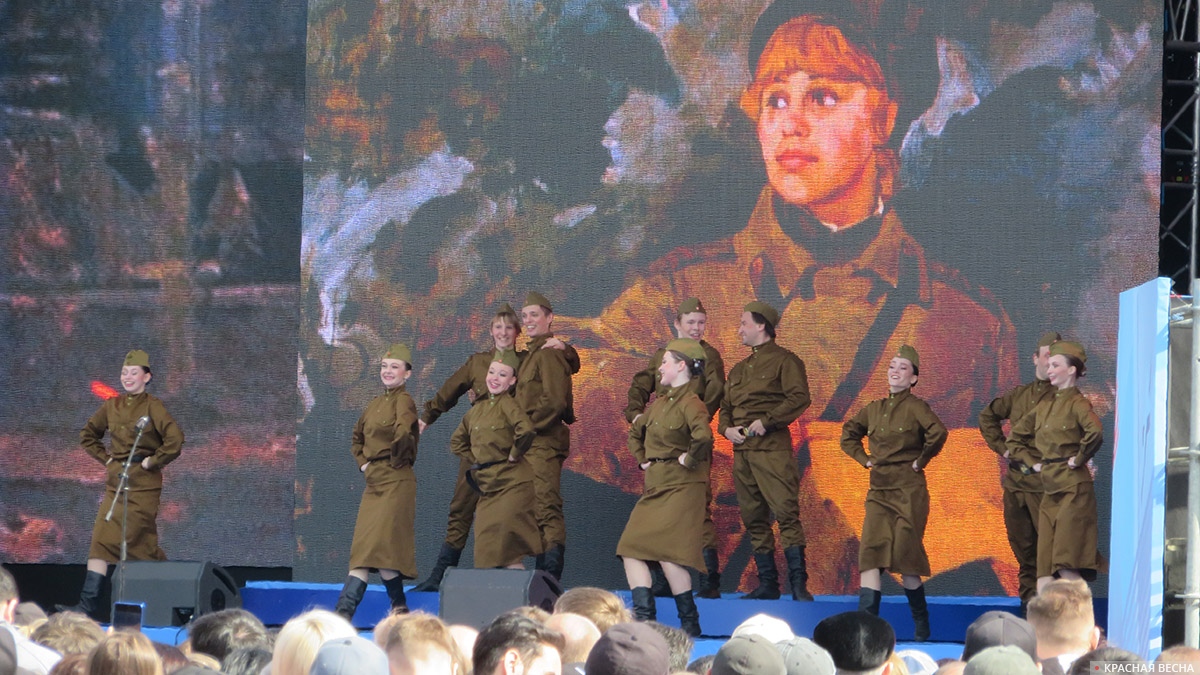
797	573
643	604
447	557
352	593
868	600
689	616
395	591
920	612
768	578
710	579
89	596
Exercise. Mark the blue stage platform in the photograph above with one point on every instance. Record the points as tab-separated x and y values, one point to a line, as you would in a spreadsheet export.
276	602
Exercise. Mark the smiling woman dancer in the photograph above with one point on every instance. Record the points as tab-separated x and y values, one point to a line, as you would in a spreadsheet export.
385	447
161	440
673	445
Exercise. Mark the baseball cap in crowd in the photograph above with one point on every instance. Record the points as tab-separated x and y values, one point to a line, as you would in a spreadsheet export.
1006	660
350	656
773	629
802	656
747	655
629	649
996	629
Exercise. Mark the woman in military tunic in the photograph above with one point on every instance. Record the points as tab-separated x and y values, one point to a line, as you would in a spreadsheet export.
905	435
385	446
492	438
673	445
1057	440
160	443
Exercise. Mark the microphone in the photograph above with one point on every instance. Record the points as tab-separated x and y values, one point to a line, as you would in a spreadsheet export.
142	422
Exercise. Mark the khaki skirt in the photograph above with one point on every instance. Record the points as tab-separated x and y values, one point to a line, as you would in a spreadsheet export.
141	528
667	525
384	536
1067	532
894	531
505	528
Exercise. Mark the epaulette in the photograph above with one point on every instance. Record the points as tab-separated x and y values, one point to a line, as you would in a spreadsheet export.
694	254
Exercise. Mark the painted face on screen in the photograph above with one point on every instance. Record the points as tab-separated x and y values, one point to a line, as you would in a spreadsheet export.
500	378
691	325
504	333
824	118
1060	372
900	374
393	372
134	379
536	319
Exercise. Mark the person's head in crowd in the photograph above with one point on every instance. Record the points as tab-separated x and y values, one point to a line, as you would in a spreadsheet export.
859	642
896	665
802	656
748	655
1063	620
629	649
298	641
601	607
124	653
219	633
245	661
9	597
1179	654
194	669
205	661
773	629
679	644
702	665
464	637
996	629
517	645
579	635
28	616
536	613
952	667
420	644
172	659
1083	665
1005	660
352	655
69	633
917	662
71	664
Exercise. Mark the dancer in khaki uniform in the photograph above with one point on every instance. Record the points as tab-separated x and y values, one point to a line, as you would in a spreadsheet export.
764	394
673	445
1057	440
904	435
691	321
469	380
544	392
385	446
493	438
1022	487
159	445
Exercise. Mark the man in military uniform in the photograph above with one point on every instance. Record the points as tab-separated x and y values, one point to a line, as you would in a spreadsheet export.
690	322
765	393
1022	488
544	392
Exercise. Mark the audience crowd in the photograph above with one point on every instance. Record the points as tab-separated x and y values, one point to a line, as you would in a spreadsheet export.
590	631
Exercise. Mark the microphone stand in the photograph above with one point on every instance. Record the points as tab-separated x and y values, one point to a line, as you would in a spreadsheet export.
123	490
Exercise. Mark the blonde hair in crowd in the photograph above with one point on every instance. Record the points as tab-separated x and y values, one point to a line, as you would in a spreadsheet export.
298	641
124	653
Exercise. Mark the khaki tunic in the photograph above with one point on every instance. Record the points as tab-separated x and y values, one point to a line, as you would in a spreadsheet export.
162	440
667	522
385	441
709	386
770	385
493	430
1022	487
1061	427
902	430
544	393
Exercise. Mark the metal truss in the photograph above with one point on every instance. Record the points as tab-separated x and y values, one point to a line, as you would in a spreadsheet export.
1178	217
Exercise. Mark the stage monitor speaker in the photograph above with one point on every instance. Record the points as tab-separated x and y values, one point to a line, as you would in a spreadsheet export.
475	597
176	592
